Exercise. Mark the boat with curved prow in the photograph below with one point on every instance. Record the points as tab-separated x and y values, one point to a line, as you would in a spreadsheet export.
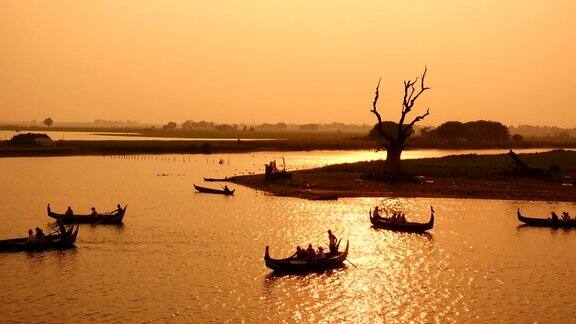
301	265
105	218
546	222
214	191
412	227
52	242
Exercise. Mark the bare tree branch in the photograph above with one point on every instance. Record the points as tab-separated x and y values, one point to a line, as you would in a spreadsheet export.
378	117
417	119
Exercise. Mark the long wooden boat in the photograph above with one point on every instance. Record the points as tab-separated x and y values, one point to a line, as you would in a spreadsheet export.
546	222
53	241
303	265
214	191
225	179
412	227
105	218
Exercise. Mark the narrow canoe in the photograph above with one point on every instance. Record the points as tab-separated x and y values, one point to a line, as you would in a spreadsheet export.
226	179
384	223
546	222
106	218
214	191
299	265
53	241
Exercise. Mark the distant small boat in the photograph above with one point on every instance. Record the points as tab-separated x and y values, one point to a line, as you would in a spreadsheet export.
105	218
225	179
385	223
324	197
546	222
300	265
214	191
53	241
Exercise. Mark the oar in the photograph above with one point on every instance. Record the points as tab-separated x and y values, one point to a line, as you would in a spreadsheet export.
351	263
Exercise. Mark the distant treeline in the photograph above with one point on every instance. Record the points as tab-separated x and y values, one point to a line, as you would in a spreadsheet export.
311	127
543	131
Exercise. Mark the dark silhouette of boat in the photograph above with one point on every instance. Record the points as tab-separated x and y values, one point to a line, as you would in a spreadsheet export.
412	227
105	218
52	242
214	191
302	265
546	222
225	179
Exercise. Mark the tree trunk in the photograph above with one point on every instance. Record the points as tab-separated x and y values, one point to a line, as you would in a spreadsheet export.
393	165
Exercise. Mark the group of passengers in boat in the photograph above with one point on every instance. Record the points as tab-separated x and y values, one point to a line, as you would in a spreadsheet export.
397	217
93	212
40	238
311	254
565	217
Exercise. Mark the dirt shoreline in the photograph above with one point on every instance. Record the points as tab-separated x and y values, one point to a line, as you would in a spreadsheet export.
442	178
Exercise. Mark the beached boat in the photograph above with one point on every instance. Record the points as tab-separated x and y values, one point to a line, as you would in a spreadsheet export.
385	223
53	241
214	191
299	265
546	222
105	218
225	179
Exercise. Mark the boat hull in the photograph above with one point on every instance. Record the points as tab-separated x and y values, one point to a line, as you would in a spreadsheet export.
112	218
295	265
53	242
545	222
402	227
214	191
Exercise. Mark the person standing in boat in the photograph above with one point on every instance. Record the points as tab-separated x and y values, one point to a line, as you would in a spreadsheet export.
332	242
69	211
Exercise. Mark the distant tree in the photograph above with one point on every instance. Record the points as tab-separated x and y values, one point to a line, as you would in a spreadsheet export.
48	122
224	127
170	125
190	124
245	128
425	130
395	142
487	131
517	138
309	127
252	129
450	130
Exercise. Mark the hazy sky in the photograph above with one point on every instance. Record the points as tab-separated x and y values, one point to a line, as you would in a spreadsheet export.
293	61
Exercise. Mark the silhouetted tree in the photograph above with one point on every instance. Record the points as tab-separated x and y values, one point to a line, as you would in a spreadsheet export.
451	130
487	131
48	122
170	125
395	142
309	127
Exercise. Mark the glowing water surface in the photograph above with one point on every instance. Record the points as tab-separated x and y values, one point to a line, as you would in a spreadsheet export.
186	256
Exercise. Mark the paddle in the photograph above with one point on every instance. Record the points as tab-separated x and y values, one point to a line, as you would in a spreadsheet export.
351	263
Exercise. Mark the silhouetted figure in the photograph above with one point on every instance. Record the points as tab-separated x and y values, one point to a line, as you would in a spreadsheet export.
40	238
31	239
69	211
94	212
226	189
310	252
565	216
61	228
554	217
332	242
300	253
320	252
118	209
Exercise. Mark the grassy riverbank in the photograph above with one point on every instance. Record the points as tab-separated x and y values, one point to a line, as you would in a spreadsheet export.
456	176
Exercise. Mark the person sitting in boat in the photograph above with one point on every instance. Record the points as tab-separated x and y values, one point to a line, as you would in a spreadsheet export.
402	219
299	254
31	238
394	218
565	216
311	254
226	189
332	242
69	211
94	212
320	253
376	213
118	209
554	217
39	237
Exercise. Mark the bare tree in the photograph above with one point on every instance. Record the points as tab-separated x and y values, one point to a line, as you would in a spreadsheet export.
395	143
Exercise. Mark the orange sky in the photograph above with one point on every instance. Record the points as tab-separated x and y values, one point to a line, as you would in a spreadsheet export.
293	61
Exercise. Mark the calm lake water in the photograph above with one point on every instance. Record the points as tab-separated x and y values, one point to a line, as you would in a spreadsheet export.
188	257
